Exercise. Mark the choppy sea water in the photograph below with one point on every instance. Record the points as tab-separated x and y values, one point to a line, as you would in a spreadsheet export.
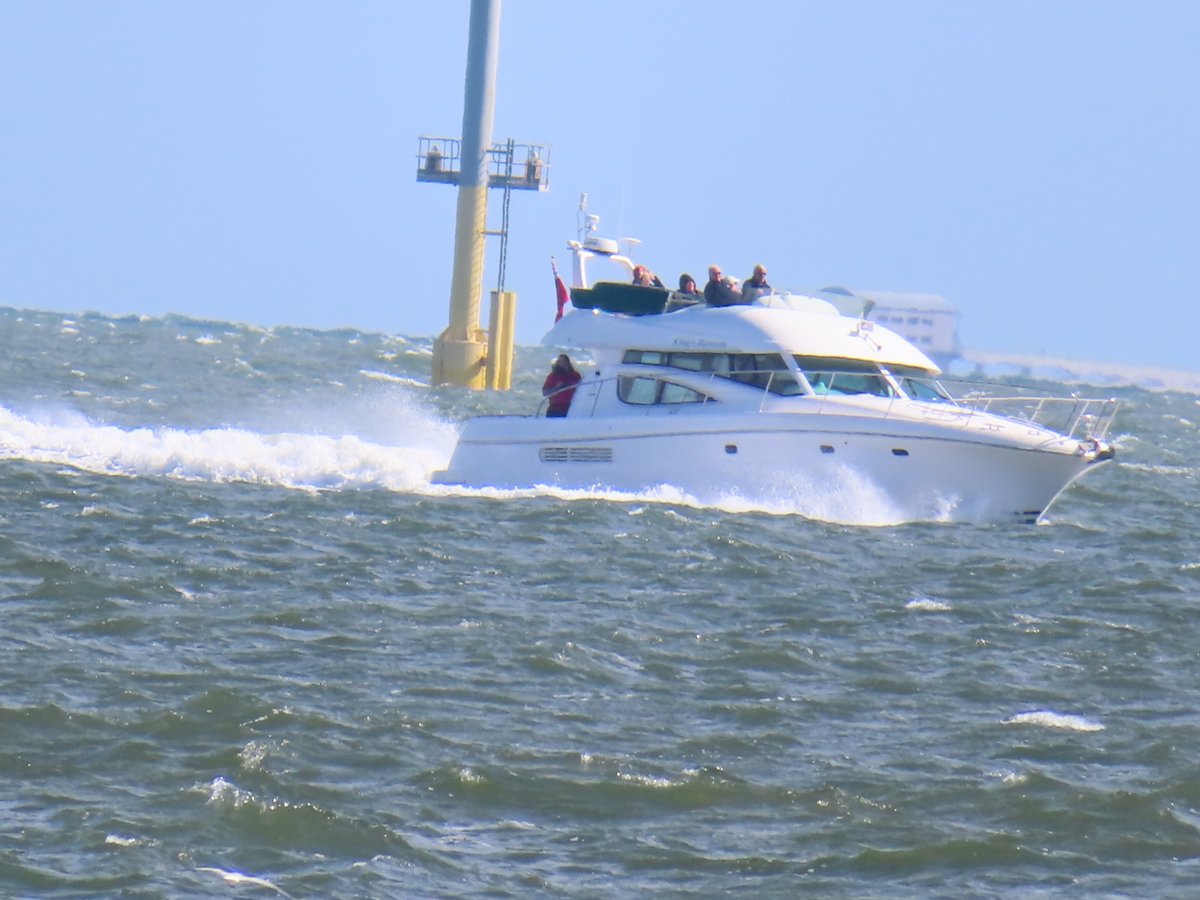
249	650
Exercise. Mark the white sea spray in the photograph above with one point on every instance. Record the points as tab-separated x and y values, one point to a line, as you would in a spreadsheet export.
927	604
222	791
237	879
1044	718
294	460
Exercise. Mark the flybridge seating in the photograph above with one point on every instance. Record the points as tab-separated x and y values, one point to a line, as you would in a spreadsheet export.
628	299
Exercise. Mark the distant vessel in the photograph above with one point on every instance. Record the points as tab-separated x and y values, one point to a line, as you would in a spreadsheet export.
769	395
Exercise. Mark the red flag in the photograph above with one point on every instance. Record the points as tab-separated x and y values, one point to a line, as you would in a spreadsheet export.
560	289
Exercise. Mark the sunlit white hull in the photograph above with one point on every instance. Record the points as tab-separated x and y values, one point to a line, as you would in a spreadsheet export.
781	402
918	470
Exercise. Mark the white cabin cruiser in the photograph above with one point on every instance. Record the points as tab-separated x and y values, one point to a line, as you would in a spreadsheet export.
784	394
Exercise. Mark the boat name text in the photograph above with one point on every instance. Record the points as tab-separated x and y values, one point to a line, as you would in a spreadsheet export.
698	344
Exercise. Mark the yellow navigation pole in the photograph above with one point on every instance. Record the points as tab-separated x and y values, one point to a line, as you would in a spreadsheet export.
460	352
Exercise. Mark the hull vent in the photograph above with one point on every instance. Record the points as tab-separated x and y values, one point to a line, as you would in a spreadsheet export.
576	454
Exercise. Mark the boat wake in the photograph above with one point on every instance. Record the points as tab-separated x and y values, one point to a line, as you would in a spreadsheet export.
847	499
306	461
417	444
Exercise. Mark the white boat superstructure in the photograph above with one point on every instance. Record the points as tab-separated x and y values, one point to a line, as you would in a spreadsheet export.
783	395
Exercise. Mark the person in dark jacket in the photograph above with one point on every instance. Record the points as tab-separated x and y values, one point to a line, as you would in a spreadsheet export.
718	291
559	387
687	286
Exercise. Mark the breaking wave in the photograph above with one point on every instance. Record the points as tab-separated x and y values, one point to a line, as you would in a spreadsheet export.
1044	718
293	460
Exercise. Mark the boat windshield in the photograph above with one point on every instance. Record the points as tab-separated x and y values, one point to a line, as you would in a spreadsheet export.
844	376
919	384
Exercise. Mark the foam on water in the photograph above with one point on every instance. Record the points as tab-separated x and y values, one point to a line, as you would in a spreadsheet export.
223	792
927	604
392	379
867	508
294	460
1044	718
1160	469
845	497
237	879
122	840
650	781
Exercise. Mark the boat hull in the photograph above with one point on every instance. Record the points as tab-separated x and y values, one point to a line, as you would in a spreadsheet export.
920	472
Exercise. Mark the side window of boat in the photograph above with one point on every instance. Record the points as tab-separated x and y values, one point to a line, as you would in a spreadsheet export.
920	384
920	389
693	362
879	386
764	370
776	376
677	393
646	357
856	383
643	391
637	390
742	368
785	385
718	363
819	382
844	376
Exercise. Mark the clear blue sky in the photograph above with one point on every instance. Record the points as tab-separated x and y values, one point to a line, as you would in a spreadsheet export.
1037	162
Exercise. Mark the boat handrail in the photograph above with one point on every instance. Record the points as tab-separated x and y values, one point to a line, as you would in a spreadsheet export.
1075	417
1072	415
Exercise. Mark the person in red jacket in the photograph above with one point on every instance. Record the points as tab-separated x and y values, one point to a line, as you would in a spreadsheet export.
559	387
